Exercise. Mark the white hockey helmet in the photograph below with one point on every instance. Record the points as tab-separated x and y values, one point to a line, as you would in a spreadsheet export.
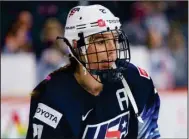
85	21
89	20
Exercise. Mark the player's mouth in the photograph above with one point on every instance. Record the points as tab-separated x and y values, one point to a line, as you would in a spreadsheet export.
105	64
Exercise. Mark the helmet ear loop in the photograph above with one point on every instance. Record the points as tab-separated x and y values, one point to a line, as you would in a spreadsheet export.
77	59
81	44
75	56
86	60
72	53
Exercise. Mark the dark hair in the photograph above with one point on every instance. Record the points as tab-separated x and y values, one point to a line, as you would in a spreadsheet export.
70	68
73	65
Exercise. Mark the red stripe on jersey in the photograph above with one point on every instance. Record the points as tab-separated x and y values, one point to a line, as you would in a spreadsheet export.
111	134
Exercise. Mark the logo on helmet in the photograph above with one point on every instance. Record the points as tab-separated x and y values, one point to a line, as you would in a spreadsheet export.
112	21
102	10
101	23
73	11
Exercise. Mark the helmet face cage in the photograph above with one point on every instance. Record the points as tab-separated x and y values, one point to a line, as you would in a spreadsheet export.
121	49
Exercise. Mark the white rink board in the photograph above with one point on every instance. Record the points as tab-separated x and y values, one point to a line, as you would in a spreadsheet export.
173	115
18	74
172	120
8	107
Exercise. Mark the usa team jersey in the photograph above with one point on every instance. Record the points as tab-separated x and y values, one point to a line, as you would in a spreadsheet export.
60	108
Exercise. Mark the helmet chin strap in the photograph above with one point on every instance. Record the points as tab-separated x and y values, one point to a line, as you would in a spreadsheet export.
129	94
69	52
84	68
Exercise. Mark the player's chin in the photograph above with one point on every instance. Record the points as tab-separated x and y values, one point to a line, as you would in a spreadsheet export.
106	65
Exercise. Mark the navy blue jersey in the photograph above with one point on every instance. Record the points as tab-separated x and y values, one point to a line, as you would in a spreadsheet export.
61	108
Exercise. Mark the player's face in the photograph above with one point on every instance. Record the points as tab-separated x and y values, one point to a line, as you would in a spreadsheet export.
102	48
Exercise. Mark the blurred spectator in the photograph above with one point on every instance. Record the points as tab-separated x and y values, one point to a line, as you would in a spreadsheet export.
162	63
25	19
177	45
16	40
11	45
51	59
156	19
134	28
52	28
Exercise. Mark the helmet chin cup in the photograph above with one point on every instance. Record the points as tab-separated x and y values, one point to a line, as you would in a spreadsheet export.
111	75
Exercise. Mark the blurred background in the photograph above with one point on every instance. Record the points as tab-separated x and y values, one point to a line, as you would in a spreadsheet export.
158	35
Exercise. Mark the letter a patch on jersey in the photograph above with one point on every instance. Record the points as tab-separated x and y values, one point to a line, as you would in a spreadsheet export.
143	73
47	115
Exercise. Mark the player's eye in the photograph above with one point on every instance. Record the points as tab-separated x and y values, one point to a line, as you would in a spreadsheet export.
101	42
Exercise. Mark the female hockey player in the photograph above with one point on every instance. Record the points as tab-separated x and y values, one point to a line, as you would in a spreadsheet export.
100	94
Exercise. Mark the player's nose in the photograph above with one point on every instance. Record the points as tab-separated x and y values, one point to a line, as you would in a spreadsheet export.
111	50
111	46
112	55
